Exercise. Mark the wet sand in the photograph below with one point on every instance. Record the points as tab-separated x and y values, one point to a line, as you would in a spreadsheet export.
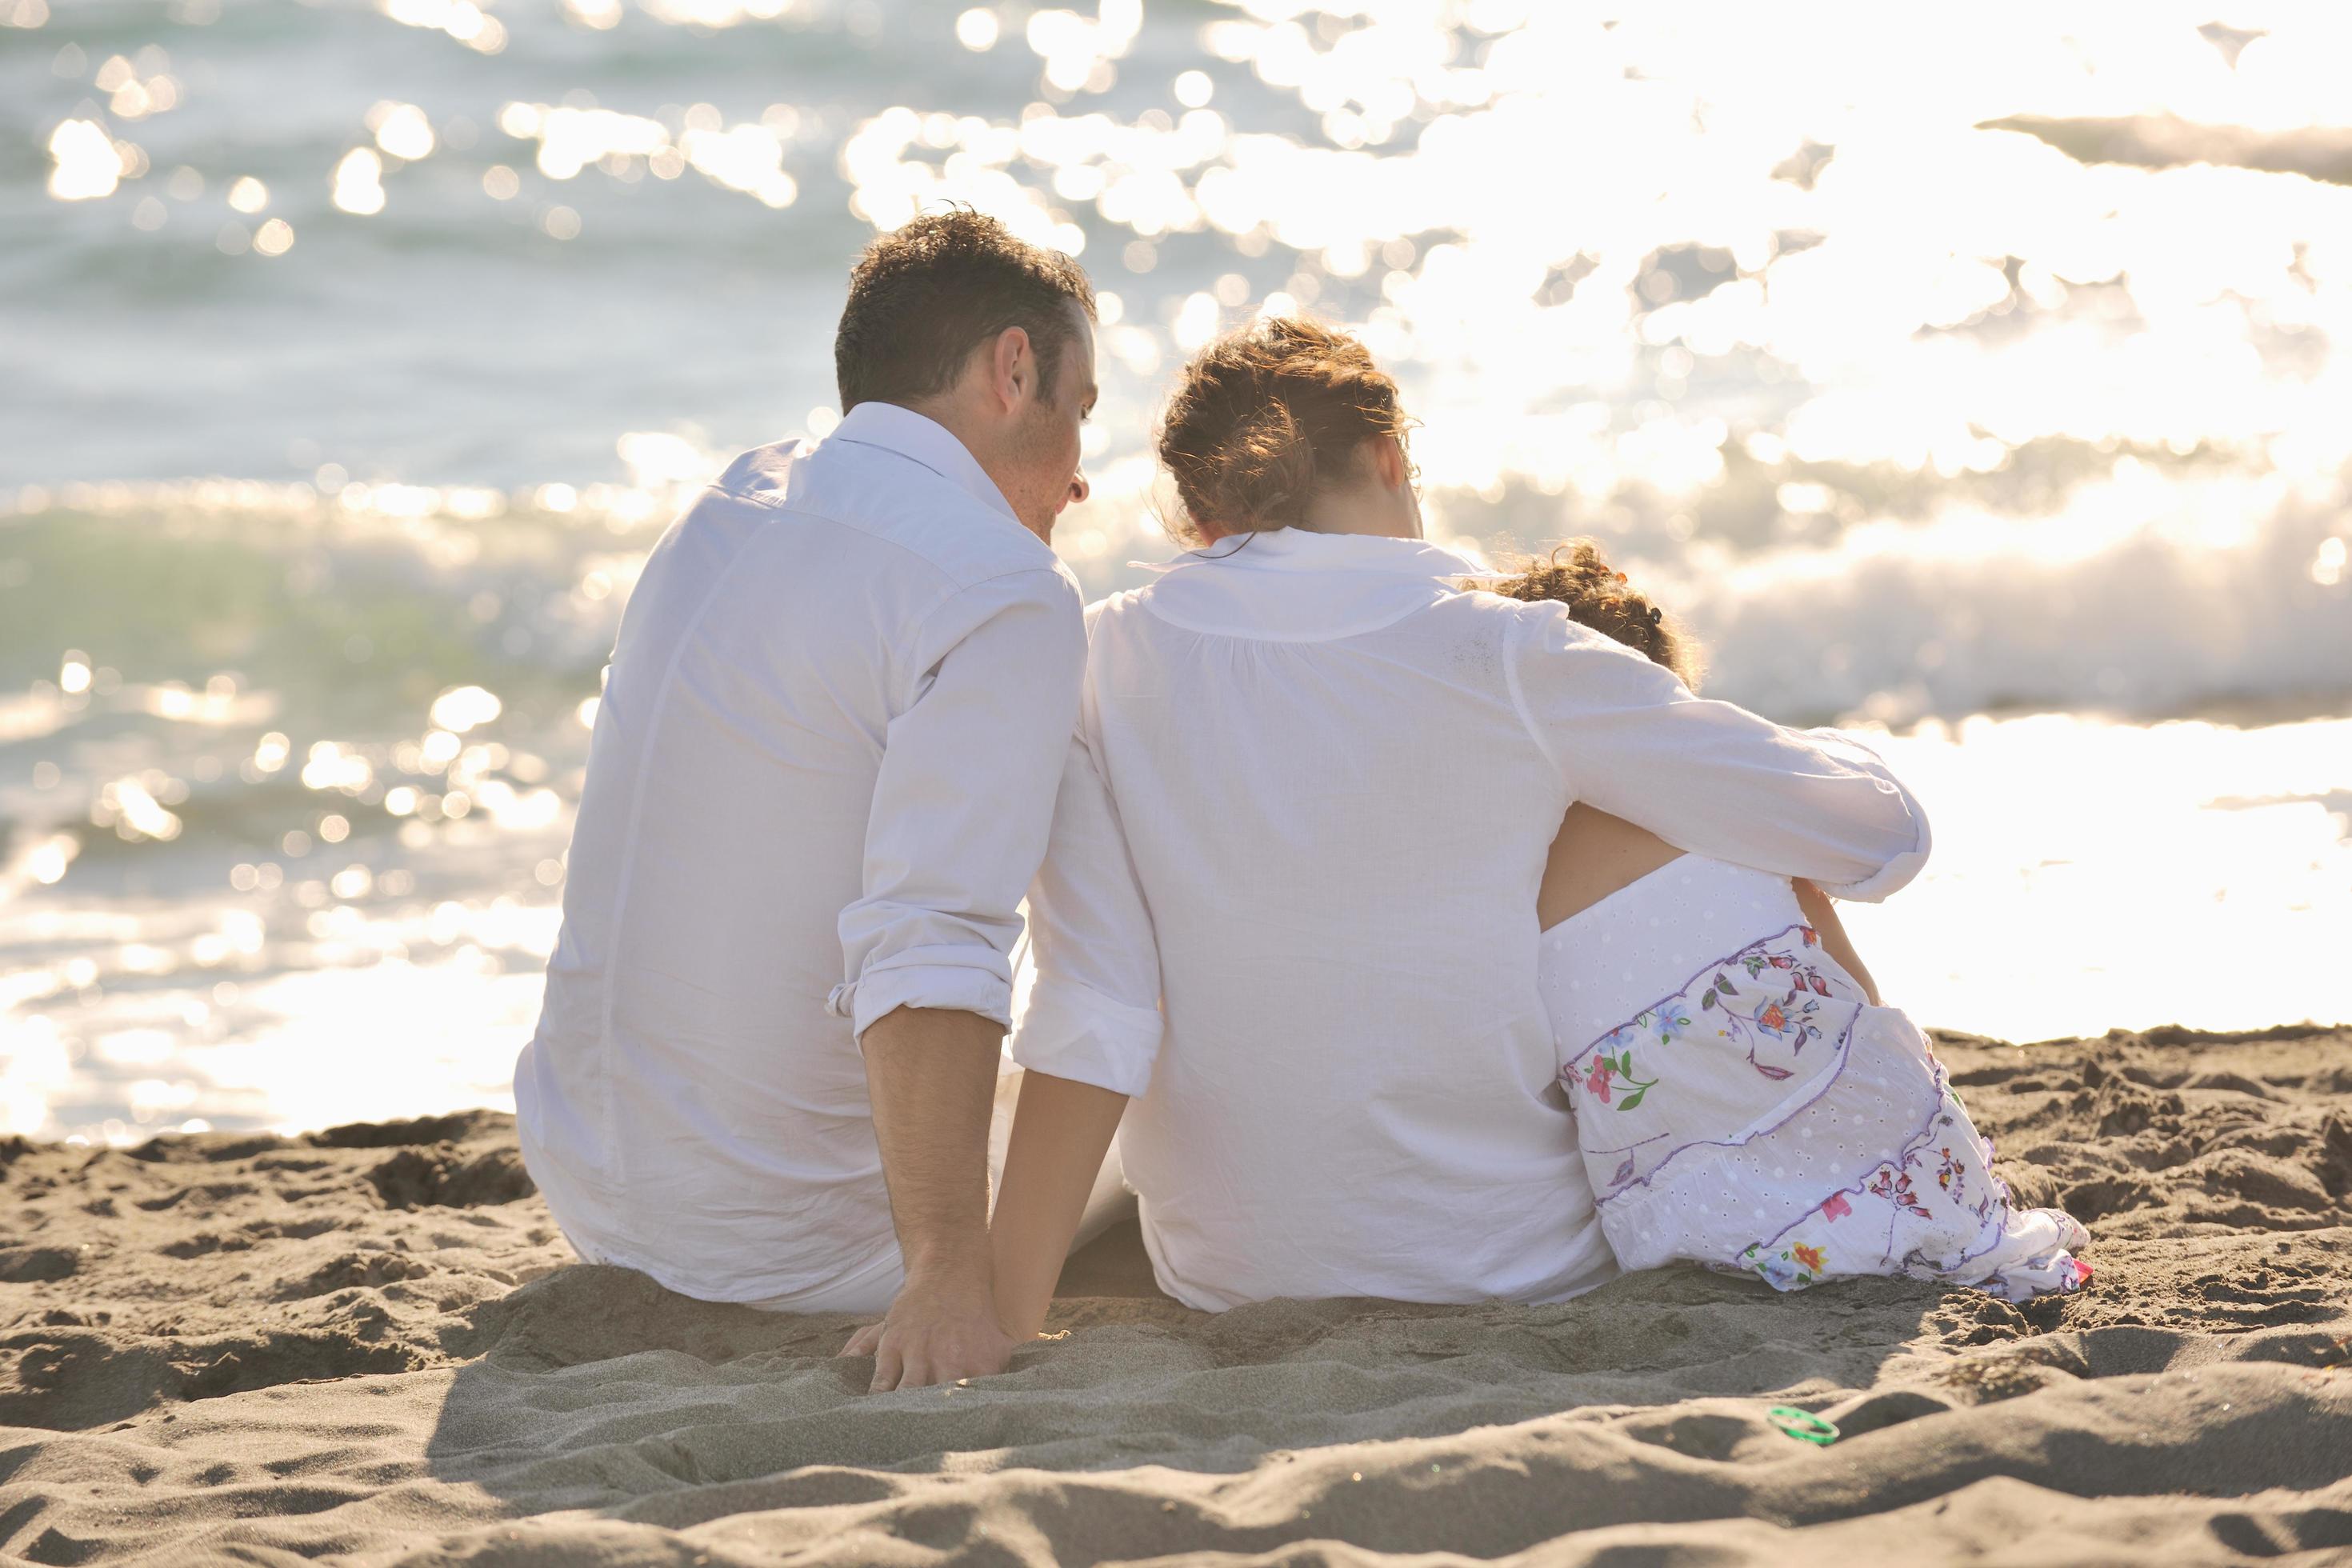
369	1345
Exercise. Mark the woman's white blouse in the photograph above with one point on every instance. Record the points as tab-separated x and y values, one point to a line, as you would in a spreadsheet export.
1289	904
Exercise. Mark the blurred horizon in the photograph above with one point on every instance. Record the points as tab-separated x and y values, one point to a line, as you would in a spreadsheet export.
1971	378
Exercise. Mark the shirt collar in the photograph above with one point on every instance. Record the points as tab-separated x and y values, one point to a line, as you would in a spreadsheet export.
1289	585
924	440
1301	550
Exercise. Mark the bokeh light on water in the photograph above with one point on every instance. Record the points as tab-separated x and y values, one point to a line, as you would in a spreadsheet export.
1933	363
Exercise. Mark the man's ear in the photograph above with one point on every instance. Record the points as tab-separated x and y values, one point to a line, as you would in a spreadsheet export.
1013	366
1388	461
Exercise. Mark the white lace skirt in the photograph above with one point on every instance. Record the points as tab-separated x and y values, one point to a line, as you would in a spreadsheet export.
1741	1104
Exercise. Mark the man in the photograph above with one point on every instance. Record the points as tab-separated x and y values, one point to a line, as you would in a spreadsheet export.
820	782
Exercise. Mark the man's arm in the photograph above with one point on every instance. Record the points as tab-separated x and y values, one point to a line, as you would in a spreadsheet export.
931	1075
962	804
1711	777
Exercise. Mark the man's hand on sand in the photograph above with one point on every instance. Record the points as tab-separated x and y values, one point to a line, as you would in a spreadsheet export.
937	1330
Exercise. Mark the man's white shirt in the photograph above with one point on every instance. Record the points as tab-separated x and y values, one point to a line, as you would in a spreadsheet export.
820	782
1290	904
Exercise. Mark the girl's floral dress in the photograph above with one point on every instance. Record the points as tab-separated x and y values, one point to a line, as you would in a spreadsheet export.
1742	1105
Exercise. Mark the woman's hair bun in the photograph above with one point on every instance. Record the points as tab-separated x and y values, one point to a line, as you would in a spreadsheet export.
1266	415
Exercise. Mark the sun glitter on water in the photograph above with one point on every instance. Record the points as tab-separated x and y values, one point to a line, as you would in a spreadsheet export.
2005	389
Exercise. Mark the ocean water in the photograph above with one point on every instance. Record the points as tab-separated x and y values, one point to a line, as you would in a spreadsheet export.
356	354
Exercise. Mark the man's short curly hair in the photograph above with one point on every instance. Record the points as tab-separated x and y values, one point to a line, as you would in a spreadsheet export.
923	296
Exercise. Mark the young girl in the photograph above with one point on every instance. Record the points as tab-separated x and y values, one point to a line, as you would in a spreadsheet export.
1741	1097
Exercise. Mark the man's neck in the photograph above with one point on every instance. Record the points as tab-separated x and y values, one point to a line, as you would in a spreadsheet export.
958	423
976	436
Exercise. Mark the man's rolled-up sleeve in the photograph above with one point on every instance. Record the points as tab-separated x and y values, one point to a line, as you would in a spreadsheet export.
1094	1014
963	801
1711	777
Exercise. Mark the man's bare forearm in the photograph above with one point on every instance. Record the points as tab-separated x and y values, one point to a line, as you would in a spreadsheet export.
931	1075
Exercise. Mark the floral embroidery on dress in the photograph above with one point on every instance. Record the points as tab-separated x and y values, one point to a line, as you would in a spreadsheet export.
1784	1011
1789	1018
1596	1082
1606	1068
1894	1186
1792	1268
1950	1174
1841	1152
1806	1253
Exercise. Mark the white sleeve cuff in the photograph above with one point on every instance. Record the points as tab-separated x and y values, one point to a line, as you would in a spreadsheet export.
1888	879
1898	872
948	979
1076	1032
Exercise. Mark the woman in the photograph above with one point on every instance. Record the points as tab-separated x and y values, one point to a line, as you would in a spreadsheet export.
1303	823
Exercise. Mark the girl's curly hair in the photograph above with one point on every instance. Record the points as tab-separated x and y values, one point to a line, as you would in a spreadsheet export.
1598	595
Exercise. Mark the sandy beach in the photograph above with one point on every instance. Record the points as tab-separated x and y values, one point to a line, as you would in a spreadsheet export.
369	1345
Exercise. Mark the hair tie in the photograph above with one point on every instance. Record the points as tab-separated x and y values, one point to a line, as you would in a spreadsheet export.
1656	615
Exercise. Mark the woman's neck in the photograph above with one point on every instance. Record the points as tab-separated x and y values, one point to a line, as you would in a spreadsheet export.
1367	509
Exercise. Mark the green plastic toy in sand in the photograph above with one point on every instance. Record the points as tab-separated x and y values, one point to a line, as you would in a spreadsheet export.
1802	1424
